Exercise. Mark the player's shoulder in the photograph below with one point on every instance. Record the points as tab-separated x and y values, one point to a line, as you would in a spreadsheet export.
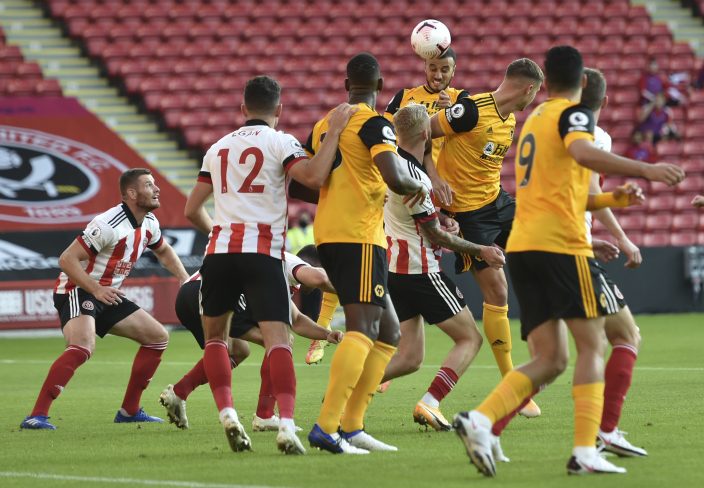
151	220
113	216
602	139
456	94
482	99
575	117
411	165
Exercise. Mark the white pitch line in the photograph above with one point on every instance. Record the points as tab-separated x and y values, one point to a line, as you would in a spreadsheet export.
129	481
255	364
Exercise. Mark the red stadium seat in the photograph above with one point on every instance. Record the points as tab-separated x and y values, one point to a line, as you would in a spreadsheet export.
694	148
656	240
683	203
48	88
661	221
685	221
632	222
695	114
668	149
683	239
660	203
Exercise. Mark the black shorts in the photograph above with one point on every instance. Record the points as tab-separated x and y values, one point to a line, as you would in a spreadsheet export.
79	302
188	313
261	278
552	286
357	271
488	225
432	295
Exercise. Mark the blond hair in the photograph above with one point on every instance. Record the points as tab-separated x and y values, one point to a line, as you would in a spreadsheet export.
411	121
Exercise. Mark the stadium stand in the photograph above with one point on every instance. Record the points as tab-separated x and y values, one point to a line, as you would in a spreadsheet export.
19	77
186	62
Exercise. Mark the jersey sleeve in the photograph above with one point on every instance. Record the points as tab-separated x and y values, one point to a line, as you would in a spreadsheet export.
96	236
394	105
291	151
461	117
423	211
205	169
378	135
308	146
155	238
293	264
576	122
462	94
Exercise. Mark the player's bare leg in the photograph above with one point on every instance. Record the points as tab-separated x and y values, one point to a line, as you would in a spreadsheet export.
153	339
624	336
411	350
216	360
494	287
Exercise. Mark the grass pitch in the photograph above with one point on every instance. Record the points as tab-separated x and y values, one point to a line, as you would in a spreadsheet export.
663	413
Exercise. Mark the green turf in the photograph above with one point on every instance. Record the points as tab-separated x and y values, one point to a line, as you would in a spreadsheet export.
663	414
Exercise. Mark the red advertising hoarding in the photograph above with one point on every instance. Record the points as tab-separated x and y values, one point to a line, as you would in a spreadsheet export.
60	167
30	304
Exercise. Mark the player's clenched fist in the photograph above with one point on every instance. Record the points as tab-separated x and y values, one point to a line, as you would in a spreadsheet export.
664	172
335	336
630	193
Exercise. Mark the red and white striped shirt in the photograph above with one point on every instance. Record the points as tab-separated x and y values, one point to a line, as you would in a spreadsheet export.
114	242
408	251
247	170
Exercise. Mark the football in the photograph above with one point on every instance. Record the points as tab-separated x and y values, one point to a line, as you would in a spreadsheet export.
430	39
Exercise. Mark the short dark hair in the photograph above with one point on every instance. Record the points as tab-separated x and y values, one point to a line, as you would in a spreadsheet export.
449	53
525	68
262	94
309	254
563	68
130	177
594	93
363	70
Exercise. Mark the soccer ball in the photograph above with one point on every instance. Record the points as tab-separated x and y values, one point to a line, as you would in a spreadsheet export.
430	39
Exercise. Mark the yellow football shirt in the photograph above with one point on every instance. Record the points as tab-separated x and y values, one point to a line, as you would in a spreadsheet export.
427	98
551	188
477	139
351	202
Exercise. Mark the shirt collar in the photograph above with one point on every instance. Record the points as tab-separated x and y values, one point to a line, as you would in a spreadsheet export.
130	216
255	122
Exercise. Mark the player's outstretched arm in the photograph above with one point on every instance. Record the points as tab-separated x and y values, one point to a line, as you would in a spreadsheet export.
314	171
608	219
398	181
304	326
194	210
70	263
492	255
588	155
313	277
170	261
